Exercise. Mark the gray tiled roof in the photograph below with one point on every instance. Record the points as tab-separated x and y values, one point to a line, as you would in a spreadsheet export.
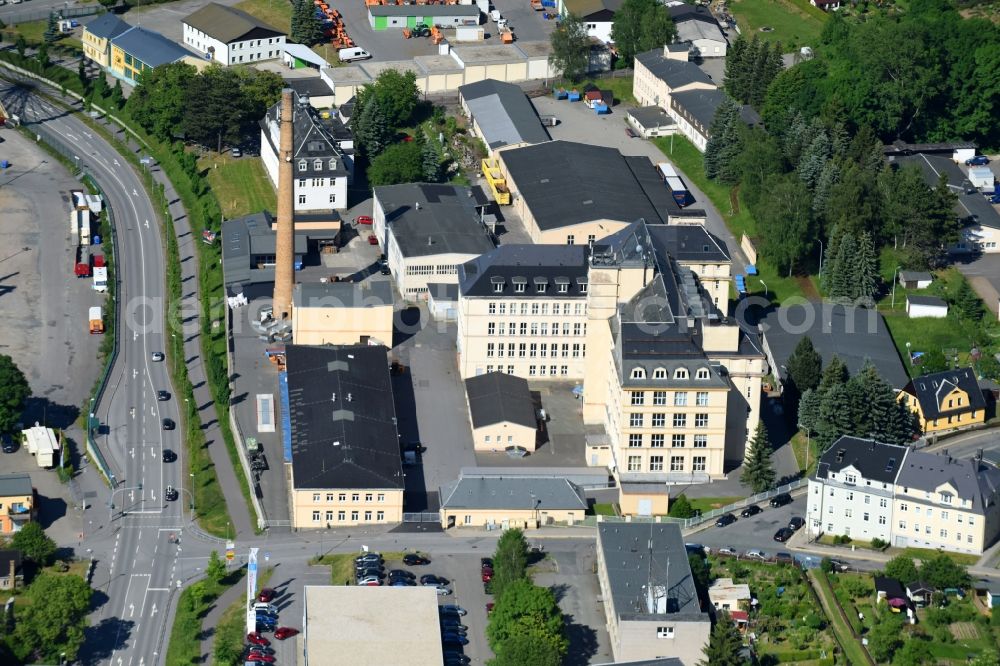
915	276
503	113
930	390
150	47
12	485
480	276
106	26
497	397
428	219
632	565
250	235
675	73
875	461
313	138
541	493
228	24
971	204
343	419
926	300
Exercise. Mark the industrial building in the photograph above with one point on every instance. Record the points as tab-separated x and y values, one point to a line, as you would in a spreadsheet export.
694	111
502	501
349	625
650	600
340	433
249	249
382	17
661	72
502	412
230	36
501	115
343	313
698	29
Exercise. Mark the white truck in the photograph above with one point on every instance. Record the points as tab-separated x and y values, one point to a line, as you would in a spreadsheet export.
352	54
100	279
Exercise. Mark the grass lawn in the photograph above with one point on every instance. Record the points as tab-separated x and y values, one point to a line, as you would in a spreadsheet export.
691	163
605	510
342	565
241	185
853	650
927	553
795	23
799	441
621	87
231	629
711	503
279	14
827	539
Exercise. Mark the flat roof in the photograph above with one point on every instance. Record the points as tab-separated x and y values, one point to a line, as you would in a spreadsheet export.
428	219
651	116
482	54
372	626
437	64
349	75
370	293
373	68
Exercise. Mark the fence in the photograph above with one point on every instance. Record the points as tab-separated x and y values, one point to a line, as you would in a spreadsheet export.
425	517
41	14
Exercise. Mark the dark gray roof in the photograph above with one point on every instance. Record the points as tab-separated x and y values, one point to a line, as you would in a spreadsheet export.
701	105
107	26
971	206
919	586
314	138
12	485
442	292
250	236
930	390
313	86
428	219
497	397
636	555
503	113
659	196
370	293
424	11
688	243
675	73
891	587
150	47
541	493
558	264
915	276
853	334
899	147
926	300
228	24
875	461
651	116
684	12
566	183
343	420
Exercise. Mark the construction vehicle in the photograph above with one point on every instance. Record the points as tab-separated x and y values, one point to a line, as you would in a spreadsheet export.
96	320
506	36
496	181
537	5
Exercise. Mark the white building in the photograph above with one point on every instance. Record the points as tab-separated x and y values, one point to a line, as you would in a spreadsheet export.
698	29
926	306
597	15
322	157
231	37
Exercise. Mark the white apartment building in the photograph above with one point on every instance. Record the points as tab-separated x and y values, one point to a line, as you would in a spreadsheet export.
231	37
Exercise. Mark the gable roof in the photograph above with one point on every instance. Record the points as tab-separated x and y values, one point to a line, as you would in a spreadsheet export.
702	104
13	485
891	587
915	276
343	419
503	113
933	301
593	8
973	480
228	24
874	461
931	390
497	397
538	493
675	73
150	47
313	138
106	26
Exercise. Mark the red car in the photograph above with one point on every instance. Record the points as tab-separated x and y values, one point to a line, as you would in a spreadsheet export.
257	639
267	595
487	576
372	240
260	656
362	219
281	633
489	608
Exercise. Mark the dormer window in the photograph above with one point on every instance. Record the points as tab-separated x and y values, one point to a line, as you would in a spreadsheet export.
498	283
317	164
333	164
681	373
302	165
660	373
541	284
519	284
638	373
583	287
562	285
946	498
702	373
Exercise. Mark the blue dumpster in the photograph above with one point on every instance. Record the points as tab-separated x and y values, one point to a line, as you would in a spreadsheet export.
574	96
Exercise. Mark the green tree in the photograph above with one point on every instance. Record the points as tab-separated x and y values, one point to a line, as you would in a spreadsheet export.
526	648
758	469
159	102
865	271
725	646
15	392
902	568
525	608
809	411
42	55
430	156
836	416
915	651
814	159
306	28
876	412
785	223
805	367
396	93
399	163
53	619
215	108
36	545
510	561
834	373
885	637
215	570
52	33
570	47
966	303
681	507
20	45
700	572
941	571
725	143
371	129
838	279
987	657
639	26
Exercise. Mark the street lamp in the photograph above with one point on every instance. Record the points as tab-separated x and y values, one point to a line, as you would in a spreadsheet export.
894	286
765	287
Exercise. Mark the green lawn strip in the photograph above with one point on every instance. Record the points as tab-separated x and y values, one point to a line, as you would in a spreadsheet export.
706	504
928	553
794	23
230	632
605	510
621	87
241	186
184	646
853	650
802	458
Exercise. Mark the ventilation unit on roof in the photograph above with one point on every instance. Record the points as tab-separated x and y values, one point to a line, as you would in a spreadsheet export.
840	455
890	465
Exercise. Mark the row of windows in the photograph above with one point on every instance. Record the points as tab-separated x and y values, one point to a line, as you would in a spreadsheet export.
535	370
656	441
521	286
679	373
316	182
534	349
442	269
659	419
638	398
317	164
677	463
929	512
253	56
942	533
536	309
882	502
342	516
355	497
333	198
849	513
937	422
535	328
571	239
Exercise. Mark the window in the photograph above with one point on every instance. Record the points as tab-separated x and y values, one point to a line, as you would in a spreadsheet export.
656	463
659	373
883	503
659	397
638	373
533	350
868	499
847	513
302	167
634	440
302	198
544	350
519	287
522	350
302	182
490	347
333	198
698	464
702	373
881	520
570	240
903	507
532	370
656	440
342	497
534	328
316	497
681	373
659	419
315	516
676	463
354	516
677	441
497	287
332	163
355	497
635	420
701	420
329	516
664	632
680	399
902	524
565	350
591	238
946	498
524	328
701	398
638	397
545	328
317	164
380	497
865	516
944	515
380	516
368	497
318	182
634	463
701	441
341	515
329	497
491	328
564	370
680	420
563	287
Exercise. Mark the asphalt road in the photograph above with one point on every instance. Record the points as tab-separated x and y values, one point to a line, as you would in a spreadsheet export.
142	562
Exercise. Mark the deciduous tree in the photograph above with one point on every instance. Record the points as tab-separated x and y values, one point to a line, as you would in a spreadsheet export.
681	507
399	163
53	620
14	394
215	570
943	572
639	26
902	568
570	47
36	545
525	608
510	561
785	223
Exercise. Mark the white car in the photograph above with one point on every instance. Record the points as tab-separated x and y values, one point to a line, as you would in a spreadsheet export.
156	356
756	555
443	591
726	550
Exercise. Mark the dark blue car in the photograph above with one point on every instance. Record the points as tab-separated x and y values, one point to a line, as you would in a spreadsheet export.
978	160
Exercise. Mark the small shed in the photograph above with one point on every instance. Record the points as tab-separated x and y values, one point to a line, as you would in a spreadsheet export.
915	279
643	499
981	177
926	306
919	592
993	597
41	442
502	412
650	121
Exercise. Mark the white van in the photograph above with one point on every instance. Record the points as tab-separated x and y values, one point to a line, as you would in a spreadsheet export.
352	54
495	15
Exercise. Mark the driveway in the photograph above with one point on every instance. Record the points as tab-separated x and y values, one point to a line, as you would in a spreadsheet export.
983	274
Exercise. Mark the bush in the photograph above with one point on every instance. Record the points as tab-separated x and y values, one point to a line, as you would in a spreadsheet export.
879	544
841	540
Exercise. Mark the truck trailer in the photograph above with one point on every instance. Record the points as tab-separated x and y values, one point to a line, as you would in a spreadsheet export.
100	279
96	320
81	266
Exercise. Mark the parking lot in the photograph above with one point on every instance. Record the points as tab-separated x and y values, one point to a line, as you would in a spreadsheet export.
746	533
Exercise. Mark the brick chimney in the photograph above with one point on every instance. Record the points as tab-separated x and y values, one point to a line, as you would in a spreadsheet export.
284	270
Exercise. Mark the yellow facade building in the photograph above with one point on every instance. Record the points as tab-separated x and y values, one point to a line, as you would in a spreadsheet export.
945	400
503	501
343	313
661	72
97	36
138	50
346	467
502	412
17	502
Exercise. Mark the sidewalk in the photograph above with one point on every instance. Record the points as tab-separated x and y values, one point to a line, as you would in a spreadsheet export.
211	620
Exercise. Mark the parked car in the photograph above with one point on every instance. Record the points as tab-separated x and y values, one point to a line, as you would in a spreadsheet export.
236	153
781	500
456	658
783	535
401	573
486	562
370	581
840	565
260	656
264	607
402	582
796	523
170	494
756	554
156	356
362	219
259	648
163	396
431	579
451	621
281	633
695	549
452	638
369	557
725	519
784	558
377	572
978	160
751	510
9	446
726	550
168	424
267	595
257	639
443	591
451	609
412	559
169	456
487	575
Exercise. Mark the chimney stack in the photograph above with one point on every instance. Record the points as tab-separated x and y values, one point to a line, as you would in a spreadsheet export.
284	273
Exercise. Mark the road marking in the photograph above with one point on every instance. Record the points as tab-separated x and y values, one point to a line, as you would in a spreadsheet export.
70	136
134	193
116	163
153	611
147	224
131	452
152	452
159	589
131	610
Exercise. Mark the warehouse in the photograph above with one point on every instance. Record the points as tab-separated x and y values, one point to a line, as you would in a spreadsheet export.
382	17
501	114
